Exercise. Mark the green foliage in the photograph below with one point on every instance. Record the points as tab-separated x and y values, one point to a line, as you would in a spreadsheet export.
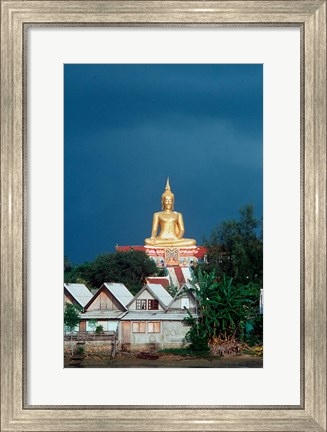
78	274
161	272
71	316
172	289
130	268
99	329
67	264
254	331
236	249
197	336
223	309
73	273
185	352
79	349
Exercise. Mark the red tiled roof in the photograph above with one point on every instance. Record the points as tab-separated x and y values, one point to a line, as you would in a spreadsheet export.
157	280
127	248
202	251
179	275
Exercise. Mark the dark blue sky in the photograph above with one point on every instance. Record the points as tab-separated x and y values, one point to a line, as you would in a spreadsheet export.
128	127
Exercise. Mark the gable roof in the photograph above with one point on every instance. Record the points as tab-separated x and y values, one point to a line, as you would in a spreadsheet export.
179	275
158	292
79	292
183	291
201	251
164	280
188	274
189	285
118	290
161	293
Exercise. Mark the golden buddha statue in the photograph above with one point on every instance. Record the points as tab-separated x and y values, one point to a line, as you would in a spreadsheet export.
171	225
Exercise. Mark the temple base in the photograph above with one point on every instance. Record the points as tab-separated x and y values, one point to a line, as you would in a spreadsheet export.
173	256
170	256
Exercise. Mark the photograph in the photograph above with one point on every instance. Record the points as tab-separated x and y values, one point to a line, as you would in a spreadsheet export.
163	215
164	162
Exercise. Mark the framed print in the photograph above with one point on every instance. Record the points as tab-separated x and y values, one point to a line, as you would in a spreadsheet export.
50	204
37	39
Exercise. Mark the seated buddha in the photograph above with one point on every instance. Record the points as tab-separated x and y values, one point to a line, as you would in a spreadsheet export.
171	225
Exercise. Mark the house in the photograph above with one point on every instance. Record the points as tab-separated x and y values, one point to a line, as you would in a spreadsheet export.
108	319
77	294
179	275
106	307
150	321
161	280
184	299
110	296
144	330
151	297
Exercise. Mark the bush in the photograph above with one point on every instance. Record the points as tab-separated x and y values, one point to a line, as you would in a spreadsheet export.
223	311
199	344
197	337
99	329
79	350
175	351
254	336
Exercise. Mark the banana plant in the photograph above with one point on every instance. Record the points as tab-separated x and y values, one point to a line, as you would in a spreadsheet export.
222	308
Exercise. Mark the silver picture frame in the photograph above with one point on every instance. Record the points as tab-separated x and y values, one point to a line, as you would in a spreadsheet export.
16	17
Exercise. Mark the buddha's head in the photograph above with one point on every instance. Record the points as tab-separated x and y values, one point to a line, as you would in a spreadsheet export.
167	199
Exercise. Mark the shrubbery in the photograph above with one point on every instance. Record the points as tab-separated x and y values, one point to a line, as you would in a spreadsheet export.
223	311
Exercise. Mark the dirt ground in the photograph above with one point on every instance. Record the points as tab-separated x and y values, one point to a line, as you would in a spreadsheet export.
129	360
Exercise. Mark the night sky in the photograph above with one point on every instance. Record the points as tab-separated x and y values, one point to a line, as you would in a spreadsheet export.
127	127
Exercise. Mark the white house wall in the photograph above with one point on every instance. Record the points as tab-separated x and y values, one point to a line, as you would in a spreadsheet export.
172	334
177	303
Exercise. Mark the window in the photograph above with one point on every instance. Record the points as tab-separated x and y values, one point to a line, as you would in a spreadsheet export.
91	325
140	304
153	304
71	330
112	325
154	327
138	327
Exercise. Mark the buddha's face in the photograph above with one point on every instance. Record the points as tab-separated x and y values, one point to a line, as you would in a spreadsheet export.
168	203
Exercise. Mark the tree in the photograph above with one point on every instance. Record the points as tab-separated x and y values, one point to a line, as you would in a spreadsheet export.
73	273
71	316
67	264
236	249
223	310
130	268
